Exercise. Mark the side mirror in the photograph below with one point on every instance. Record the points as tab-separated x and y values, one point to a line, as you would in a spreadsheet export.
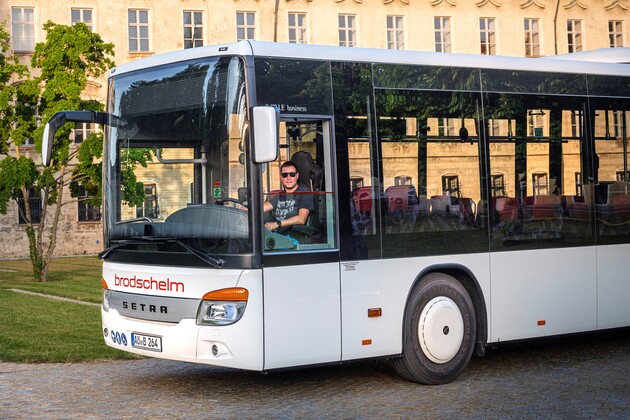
266	123
62	117
56	121
47	140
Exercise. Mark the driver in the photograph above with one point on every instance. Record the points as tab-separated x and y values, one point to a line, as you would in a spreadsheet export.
293	204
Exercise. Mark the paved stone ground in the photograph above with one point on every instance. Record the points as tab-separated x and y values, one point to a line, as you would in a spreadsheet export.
585	377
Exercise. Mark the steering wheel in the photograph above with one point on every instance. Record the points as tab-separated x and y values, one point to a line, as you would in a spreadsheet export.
223	201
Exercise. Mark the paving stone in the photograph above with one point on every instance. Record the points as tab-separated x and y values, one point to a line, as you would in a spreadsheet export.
574	378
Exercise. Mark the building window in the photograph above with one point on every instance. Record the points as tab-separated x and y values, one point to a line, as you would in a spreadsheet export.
355	182
403	180
540	183
347	31
193	29
578	184
576	124
532	37
82	131
446	128
35	206
574	35
498	185
28	142
87	212
442	26
494	127
617	124
535	122
245	25
82	15
615	33
487	36
23	28
297	28
622	176
450	185
150	206
395	33
138	30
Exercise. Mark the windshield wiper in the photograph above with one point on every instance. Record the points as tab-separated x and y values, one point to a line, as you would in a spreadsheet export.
117	244
210	259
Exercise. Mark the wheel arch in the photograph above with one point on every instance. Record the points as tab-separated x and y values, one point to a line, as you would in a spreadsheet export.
467	279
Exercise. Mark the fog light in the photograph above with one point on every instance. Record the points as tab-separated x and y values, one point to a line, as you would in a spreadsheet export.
215	350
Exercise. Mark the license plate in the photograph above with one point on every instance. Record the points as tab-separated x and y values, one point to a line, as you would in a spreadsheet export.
146	342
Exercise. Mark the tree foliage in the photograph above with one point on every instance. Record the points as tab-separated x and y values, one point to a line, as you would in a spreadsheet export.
70	57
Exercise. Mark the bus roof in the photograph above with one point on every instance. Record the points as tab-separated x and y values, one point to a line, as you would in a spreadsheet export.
588	62
602	55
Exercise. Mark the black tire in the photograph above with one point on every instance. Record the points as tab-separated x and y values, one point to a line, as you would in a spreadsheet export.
439	331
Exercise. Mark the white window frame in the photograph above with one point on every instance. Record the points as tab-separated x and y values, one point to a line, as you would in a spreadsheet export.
23	29
297	23
82	11
488	35
615	33
138	25
193	26
403	180
575	42
531	30
82	131
443	36
395	32
348	27
247	27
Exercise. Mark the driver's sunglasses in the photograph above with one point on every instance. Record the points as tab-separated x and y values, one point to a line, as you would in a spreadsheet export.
291	174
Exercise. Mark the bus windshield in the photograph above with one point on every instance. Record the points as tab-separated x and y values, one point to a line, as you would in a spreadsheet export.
175	174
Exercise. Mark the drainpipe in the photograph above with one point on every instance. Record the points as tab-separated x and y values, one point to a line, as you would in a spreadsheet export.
555	28
275	21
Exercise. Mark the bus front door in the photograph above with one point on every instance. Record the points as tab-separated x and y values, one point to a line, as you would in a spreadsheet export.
302	310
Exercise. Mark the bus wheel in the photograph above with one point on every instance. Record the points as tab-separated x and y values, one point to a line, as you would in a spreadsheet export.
439	331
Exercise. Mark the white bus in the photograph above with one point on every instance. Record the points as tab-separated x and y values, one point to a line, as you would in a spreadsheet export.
459	201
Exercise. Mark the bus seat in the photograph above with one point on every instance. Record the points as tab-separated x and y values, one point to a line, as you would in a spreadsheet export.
546	207
506	208
363	199
439	204
468	209
621	207
400	197
575	207
615	189
311	174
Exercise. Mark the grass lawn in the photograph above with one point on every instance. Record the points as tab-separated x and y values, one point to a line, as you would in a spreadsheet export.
36	329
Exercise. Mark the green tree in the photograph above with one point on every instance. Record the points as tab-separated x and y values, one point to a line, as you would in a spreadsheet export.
70	57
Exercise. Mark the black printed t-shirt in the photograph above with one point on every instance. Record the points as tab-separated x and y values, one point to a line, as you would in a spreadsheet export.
287	205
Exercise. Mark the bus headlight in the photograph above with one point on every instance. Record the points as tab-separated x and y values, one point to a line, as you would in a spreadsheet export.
220	313
106	300
105	295
222	307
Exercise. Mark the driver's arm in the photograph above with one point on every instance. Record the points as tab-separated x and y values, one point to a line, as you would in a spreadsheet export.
299	219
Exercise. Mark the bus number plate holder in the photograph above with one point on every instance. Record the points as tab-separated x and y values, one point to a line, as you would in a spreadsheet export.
146	342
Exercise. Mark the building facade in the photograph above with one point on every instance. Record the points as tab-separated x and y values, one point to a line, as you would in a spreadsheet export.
141	28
